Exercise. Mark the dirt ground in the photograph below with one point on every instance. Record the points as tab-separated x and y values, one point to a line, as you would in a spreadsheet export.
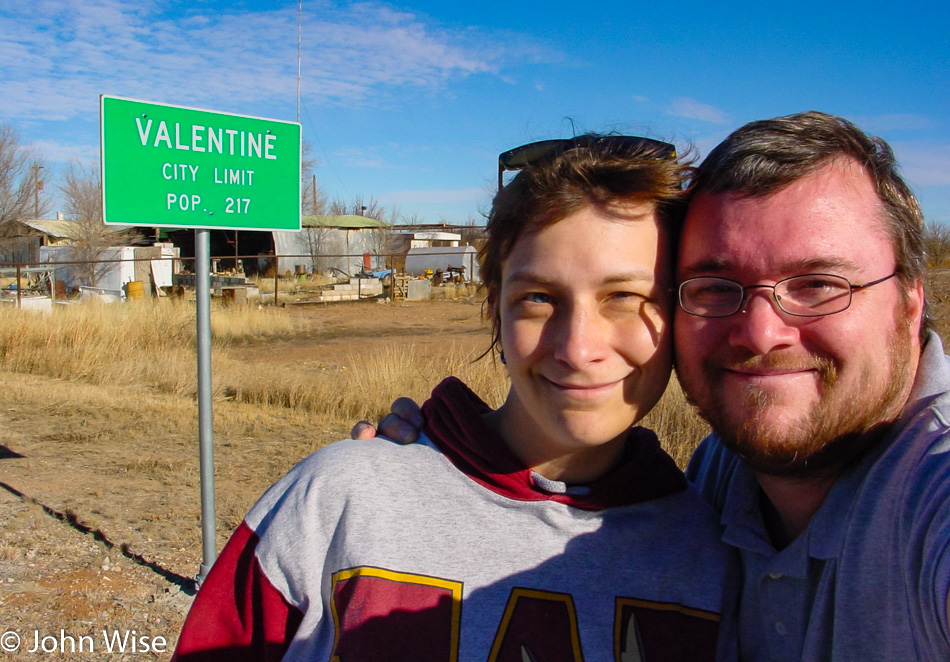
100	516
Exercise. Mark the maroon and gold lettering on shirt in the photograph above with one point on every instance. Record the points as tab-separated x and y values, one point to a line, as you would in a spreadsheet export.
383	615
539	626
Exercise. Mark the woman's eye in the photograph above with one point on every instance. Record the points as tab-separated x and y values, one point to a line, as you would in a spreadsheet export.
628	297
537	297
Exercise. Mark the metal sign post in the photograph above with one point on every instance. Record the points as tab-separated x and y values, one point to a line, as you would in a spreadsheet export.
209	549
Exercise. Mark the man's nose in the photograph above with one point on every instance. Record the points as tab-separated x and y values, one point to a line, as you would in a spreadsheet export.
761	326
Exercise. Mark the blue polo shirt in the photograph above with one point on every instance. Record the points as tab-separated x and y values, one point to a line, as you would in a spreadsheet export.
869	578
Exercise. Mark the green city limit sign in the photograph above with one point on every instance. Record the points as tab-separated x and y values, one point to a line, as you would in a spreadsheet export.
168	166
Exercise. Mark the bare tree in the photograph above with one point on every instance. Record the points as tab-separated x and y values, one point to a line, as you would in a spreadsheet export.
81	187
395	215
308	162
20	183
313	202
379	244
937	241
314	236
473	233
359	206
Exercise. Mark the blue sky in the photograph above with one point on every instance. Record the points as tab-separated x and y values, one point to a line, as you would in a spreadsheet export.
411	102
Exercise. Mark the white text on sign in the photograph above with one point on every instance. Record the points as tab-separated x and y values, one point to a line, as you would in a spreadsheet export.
209	139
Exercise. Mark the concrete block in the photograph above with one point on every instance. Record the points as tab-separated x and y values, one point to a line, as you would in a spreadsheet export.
418	290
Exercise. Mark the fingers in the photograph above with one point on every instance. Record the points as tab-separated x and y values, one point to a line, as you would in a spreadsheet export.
408	411
402	425
399	430
363	430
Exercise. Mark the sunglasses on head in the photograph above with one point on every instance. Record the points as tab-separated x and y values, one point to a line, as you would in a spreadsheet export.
521	157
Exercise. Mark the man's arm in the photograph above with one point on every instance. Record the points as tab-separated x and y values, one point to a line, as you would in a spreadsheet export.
403	424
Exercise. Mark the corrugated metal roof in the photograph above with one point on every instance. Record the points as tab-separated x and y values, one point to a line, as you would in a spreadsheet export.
65	229
348	222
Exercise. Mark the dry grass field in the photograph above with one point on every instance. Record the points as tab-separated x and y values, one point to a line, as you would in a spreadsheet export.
99	506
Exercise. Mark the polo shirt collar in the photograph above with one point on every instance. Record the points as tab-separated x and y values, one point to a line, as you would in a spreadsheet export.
932	379
744	526
741	518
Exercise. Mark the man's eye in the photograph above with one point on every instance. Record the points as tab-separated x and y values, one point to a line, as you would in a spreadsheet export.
713	290
815	284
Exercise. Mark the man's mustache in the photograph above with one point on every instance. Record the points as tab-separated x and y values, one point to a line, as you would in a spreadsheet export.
779	362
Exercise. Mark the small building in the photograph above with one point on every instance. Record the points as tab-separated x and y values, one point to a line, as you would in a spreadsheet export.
447	259
403	241
60	249
431	239
434	250
152	266
335	243
25	237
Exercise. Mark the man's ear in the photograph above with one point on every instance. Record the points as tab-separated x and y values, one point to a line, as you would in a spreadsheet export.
915	305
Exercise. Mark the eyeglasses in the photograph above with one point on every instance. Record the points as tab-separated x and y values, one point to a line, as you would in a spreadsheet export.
809	295
521	157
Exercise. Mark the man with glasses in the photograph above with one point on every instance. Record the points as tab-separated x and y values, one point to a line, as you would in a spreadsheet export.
802	337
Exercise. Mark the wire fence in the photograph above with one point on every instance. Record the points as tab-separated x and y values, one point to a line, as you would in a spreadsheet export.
171	275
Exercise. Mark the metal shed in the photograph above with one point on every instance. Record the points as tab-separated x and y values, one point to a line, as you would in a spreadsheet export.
346	236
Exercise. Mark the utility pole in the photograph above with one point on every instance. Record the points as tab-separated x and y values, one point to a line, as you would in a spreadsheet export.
36	189
299	38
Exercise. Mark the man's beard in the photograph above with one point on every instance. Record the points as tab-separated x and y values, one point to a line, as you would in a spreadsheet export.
836	430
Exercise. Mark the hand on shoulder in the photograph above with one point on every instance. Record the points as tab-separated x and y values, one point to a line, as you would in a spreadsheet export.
402	425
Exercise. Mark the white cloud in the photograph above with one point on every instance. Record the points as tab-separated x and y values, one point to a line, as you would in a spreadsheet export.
875	124
924	164
696	110
705	143
57	152
435	197
374	163
56	57
363	157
